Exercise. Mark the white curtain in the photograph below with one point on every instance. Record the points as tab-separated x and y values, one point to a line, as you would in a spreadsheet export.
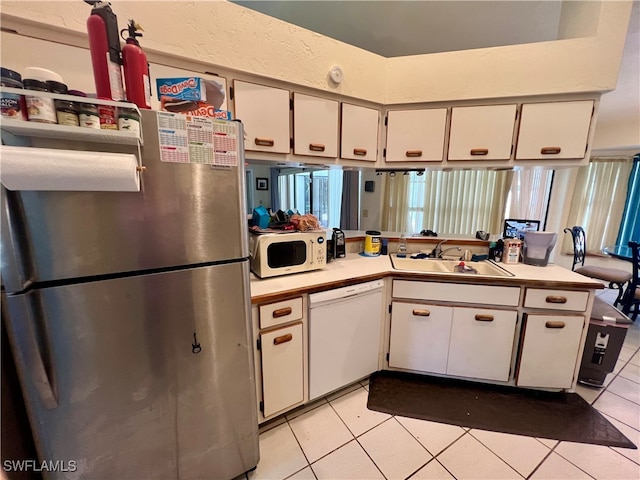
529	194
456	202
598	201
334	198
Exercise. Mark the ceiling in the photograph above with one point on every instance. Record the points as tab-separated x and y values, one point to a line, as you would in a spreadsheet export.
399	28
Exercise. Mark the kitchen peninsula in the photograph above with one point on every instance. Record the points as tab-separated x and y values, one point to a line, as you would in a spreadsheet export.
524	329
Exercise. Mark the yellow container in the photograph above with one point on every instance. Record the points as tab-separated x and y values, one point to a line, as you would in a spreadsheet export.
372	243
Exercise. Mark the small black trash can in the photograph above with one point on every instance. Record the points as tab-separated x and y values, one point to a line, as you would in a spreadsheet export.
603	344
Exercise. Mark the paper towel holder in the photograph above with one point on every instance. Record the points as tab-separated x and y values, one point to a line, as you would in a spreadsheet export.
140	168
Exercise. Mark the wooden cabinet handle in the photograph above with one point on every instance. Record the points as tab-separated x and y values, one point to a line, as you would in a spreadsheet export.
556	299
550	150
479	151
283	339
554	324
484	318
413	153
282	312
264	142
360	151
316	147
421	312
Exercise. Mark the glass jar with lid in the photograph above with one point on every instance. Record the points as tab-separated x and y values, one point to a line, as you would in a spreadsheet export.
39	109
13	105
129	120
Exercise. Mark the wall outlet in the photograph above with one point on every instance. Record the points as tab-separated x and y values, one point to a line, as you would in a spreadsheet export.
365	213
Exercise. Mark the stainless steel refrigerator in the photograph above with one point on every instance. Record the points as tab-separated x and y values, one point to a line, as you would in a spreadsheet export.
128	316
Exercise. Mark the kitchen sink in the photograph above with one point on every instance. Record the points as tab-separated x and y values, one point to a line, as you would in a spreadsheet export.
437	265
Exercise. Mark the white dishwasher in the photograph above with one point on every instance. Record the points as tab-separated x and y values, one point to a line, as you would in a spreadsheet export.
344	336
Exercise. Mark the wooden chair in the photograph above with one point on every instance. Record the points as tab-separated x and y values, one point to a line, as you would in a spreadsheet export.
633	290
614	276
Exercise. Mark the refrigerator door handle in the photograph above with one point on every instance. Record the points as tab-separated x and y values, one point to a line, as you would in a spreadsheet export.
15	254
21	329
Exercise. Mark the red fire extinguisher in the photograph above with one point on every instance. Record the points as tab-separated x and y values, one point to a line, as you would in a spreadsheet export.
104	44
136	68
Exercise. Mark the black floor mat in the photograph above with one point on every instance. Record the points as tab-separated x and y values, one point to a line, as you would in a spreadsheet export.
558	416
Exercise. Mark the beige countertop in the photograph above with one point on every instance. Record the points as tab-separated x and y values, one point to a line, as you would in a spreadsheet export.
356	268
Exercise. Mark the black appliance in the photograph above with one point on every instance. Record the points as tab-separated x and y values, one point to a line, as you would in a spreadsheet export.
338	244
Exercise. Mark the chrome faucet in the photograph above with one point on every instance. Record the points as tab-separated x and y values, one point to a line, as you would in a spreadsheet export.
437	252
448	249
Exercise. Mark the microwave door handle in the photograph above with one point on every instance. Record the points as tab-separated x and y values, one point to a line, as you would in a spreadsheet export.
312	251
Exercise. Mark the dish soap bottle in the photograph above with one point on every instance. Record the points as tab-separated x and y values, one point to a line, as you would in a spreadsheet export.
402	247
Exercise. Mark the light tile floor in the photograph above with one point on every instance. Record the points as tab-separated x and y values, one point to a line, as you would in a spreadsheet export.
338	438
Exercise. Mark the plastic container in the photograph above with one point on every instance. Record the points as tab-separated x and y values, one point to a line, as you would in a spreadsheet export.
511	253
537	247
13	106
39	109
42	74
129	120
372	243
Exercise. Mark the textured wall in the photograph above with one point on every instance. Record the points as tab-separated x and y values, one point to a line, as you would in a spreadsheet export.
227	35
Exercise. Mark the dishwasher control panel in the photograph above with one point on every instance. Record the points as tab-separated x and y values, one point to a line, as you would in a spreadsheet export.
338	293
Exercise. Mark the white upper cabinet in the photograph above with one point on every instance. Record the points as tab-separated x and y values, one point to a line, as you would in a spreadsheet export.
557	130
416	135
264	112
359	133
481	133
315	126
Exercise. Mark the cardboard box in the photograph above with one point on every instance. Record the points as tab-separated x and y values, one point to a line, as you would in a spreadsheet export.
194	96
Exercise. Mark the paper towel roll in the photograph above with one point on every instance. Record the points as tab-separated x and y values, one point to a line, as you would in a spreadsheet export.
28	168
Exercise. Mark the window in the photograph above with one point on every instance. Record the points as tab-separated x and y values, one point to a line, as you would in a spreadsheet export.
529	194
598	201
465	201
457	202
318	192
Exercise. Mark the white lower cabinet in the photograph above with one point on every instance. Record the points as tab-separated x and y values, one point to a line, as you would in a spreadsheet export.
419	338
549	349
282	368
481	343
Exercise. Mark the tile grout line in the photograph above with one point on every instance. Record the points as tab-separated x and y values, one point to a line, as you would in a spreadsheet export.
503	460
356	438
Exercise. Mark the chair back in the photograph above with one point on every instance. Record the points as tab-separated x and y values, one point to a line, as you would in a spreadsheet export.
635	259
579	245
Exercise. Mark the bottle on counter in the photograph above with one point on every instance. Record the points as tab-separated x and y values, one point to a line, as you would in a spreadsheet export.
402	246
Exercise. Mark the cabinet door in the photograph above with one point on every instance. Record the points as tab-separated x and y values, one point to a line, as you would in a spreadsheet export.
315	126
481	343
481	133
554	130
264	111
419	337
282	364
359	133
549	350
416	135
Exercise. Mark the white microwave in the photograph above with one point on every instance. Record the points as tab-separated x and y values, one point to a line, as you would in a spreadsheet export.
274	254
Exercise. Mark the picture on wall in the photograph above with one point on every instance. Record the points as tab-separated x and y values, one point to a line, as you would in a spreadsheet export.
262	183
